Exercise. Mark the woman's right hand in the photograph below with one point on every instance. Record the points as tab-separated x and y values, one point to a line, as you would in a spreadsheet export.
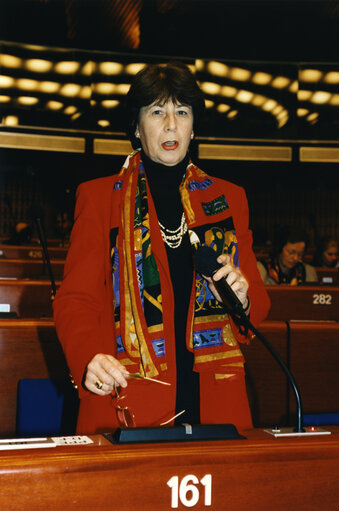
107	370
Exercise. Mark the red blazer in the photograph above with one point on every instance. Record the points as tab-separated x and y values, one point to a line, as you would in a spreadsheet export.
83	312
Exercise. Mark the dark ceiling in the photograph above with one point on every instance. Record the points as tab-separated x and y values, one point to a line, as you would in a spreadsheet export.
241	29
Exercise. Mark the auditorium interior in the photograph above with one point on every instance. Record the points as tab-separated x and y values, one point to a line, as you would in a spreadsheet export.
269	71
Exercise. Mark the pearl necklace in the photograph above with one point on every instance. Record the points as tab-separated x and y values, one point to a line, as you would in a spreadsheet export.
174	238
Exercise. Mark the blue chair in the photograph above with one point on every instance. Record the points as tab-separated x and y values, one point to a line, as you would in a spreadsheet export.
321	419
46	407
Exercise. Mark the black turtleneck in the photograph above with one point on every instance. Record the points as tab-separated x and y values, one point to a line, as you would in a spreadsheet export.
164	182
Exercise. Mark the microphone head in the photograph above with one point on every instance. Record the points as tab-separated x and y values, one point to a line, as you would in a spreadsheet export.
205	261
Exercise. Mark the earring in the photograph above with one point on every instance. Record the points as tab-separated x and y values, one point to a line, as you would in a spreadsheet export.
192	135
137	134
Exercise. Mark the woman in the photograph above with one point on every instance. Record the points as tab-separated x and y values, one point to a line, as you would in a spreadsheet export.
326	253
285	265
131	302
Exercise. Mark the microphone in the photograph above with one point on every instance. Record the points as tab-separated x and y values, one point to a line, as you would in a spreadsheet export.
205	260
36	214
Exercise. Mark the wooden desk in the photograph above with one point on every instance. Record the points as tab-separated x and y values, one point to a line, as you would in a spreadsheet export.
31	252
266	383
30	268
260	473
304	302
28	349
328	275
314	362
28	298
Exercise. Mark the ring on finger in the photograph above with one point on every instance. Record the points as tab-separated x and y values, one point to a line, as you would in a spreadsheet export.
98	384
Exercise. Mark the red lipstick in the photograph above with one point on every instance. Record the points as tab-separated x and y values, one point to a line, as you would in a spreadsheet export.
170	145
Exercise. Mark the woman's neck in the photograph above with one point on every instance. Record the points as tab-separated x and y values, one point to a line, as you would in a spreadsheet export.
164	175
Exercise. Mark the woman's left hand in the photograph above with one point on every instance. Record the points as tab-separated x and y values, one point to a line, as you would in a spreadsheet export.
234	278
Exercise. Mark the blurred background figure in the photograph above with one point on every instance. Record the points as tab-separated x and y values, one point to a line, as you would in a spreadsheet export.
21	235
326	253
285	265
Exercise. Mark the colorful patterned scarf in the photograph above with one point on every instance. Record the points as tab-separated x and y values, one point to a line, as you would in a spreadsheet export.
296	277
141	279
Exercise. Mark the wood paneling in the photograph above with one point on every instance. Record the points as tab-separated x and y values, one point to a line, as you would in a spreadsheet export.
257	473
28	298
304	302
28	349
266	382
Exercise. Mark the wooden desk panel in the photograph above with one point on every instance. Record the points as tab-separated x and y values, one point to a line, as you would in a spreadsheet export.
31	252
28	298
303	302
28	349
266	382
314	362
256	474
30	268
328	275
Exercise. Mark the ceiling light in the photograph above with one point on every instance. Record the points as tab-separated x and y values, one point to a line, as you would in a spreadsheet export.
310	75
66	67
122	88
49	87
70	89
277	109
209	103
244	96
110	103
110	68
104	88
261	78
4	99
76	116
294	87
313	117
304	95
85	92
269	105
301	112
103	122
217	68
6	81
210	88
334	100
280	82
11	120
27	84
232	114
199	64
320	97
70	110
27	100
39	65
258	100
222	108
54	105
134	68
239	74
228	92
10	61
332	77
88	68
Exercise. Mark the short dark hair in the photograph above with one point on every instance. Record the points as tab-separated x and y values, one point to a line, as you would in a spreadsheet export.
171	81
289	235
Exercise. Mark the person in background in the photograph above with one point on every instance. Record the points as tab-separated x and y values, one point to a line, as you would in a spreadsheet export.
147	339
285	265
326	253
